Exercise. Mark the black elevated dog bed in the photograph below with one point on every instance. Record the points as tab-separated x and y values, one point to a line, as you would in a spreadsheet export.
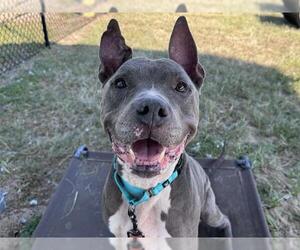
75	209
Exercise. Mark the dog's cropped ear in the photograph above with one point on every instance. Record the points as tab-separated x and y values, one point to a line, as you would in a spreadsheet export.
183	50
113	51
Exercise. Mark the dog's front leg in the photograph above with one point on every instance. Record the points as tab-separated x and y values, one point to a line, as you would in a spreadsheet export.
211	214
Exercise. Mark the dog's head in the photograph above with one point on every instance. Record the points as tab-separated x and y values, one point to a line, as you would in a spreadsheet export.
150	108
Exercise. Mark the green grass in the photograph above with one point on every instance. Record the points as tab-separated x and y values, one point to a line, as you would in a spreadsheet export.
50	105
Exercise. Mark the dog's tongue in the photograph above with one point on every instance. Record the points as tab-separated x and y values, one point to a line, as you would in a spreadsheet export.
147	150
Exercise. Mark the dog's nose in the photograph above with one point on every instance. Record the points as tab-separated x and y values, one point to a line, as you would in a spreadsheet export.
152	111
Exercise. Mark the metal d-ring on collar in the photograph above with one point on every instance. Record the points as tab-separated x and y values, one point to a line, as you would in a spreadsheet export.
135	195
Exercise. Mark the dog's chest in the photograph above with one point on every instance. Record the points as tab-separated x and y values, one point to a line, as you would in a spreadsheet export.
149	217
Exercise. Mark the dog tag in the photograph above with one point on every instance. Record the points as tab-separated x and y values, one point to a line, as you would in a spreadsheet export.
135	234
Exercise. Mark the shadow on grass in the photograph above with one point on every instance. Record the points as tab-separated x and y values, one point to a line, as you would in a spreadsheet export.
227	78
277	20
11	53
237	75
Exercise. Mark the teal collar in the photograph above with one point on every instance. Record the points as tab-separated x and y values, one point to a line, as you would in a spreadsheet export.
135	195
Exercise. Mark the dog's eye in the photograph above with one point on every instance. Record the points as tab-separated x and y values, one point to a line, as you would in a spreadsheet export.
120	83
181	87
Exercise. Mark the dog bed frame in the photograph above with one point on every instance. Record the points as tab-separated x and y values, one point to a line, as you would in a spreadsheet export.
75	208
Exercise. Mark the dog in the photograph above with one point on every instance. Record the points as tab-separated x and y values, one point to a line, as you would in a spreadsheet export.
150	111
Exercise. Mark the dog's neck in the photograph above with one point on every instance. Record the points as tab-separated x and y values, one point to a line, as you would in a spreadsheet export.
145	183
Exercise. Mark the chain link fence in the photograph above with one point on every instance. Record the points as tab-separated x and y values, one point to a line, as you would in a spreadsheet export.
23	35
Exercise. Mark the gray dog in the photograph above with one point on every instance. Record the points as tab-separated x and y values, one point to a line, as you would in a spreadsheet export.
150	110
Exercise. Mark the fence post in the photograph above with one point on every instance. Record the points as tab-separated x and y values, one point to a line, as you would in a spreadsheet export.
43	19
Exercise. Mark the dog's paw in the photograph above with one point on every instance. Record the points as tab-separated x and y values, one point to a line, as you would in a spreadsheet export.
228	231
220	231
225	229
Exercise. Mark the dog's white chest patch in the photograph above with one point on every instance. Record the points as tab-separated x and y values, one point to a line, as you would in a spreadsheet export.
148	217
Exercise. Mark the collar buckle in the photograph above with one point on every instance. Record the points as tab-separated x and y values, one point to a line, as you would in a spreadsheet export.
150	192
165	183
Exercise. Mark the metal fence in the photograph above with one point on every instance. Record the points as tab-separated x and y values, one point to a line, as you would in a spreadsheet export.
23	35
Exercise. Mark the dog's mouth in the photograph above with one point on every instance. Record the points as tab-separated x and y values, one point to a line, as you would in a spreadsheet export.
148	155
147	152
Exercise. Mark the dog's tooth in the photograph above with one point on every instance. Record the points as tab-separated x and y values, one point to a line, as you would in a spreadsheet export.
161	156
131	154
